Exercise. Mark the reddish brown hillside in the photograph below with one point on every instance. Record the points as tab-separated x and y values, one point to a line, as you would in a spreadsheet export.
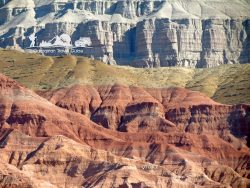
145	138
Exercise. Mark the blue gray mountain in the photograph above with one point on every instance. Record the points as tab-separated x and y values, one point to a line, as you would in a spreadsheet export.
140	33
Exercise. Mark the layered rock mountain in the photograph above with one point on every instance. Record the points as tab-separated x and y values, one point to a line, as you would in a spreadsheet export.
133	109
120	136
71	121
146	33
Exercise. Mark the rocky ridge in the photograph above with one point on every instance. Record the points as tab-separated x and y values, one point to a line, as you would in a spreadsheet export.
187	146
192	33
223	84
133	109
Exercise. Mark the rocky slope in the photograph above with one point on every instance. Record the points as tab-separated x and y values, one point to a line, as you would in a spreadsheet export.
192	33
145	138
133	109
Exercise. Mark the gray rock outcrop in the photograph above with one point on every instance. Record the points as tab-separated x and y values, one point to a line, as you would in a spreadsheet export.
137	33
192	42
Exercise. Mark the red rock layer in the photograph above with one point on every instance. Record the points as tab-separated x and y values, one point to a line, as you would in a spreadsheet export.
148	138
131	109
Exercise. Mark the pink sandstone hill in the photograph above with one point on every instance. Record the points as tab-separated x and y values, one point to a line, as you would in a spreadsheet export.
119	136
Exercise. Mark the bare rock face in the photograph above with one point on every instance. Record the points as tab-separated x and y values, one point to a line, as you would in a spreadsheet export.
190	42
140	140
12	177
23	107
137	33
133	109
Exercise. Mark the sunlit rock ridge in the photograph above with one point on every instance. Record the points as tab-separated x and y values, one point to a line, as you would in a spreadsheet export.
190	33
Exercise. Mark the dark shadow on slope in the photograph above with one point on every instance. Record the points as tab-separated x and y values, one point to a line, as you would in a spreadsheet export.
239	121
